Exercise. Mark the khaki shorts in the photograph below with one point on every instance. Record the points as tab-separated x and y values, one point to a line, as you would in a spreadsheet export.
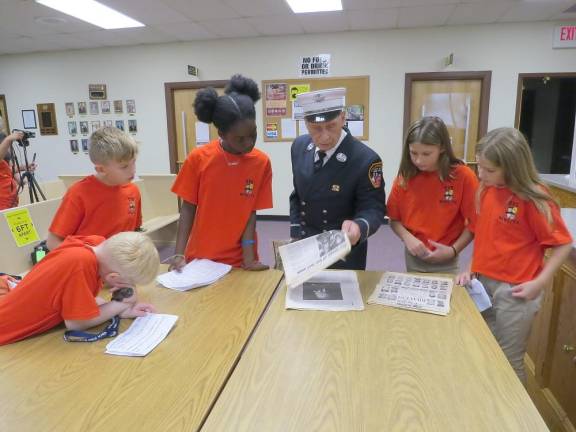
510	320
416	265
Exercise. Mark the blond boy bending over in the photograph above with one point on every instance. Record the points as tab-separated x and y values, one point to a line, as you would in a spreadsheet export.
64	286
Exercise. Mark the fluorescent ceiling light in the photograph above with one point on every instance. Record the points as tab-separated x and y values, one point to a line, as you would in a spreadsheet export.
306	6
93	12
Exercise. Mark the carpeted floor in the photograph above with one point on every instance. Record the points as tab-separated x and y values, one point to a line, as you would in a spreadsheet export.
385	250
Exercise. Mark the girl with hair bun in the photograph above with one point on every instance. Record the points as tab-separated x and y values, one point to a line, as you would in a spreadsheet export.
224	183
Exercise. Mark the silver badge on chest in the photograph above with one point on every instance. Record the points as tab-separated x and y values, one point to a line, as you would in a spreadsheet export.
341	157
310	147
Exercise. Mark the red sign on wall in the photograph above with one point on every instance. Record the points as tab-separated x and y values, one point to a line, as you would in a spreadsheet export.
565	36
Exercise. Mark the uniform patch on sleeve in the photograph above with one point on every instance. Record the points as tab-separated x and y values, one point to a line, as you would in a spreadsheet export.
375	174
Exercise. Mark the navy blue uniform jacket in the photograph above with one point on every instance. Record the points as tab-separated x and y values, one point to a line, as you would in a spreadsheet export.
348	186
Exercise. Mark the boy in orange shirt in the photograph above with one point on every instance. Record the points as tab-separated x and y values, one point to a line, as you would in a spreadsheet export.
64	286
105	203
432	199
228	173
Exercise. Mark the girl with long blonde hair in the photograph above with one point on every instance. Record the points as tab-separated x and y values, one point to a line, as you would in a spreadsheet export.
517	221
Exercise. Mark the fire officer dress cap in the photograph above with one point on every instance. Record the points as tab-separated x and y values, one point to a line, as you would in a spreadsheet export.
322	105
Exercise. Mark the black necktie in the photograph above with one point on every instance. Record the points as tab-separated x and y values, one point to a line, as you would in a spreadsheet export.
318	163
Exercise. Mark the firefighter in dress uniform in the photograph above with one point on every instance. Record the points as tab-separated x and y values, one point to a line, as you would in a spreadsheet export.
337	179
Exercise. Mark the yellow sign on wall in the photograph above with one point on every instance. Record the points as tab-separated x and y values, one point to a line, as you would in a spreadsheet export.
21	226
296	89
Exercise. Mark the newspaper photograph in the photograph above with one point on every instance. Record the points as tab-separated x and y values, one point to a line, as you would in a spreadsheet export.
414	292
331	290
304	258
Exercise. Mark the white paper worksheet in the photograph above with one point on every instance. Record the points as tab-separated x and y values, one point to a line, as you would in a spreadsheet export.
197	273
142	336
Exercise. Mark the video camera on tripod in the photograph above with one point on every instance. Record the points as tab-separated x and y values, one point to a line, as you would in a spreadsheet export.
26	175
27	135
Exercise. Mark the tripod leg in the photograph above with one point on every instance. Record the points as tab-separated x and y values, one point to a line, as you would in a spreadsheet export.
36	186
30	191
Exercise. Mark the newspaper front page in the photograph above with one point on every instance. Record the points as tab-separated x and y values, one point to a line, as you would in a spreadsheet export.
306	257
414	292
332	290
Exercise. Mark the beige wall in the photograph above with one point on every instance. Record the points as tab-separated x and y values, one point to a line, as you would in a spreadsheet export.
140	72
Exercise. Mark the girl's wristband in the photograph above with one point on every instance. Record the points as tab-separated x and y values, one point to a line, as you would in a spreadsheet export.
247	242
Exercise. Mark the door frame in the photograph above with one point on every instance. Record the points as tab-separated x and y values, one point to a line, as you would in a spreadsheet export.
520	86
484	76
5	113
169	89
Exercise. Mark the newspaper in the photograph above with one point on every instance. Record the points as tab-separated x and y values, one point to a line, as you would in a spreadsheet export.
306	257
414	292
331	290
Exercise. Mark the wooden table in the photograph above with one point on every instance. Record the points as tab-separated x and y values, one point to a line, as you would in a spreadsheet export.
382	369
47	384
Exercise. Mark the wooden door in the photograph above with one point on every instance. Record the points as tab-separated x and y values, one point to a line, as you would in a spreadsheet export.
4	114
562	367
459	99
182	122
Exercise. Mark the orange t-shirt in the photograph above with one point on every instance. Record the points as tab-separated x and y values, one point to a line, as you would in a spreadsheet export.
432	209
62	286
8	187
226	190
511	236
92	208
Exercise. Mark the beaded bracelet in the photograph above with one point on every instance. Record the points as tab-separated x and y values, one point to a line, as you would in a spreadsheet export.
172	256
247	242
455	251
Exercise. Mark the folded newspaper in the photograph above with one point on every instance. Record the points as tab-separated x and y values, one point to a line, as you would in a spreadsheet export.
197	273
414	292
332	290
304	258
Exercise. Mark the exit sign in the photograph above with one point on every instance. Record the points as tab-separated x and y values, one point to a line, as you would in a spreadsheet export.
565	36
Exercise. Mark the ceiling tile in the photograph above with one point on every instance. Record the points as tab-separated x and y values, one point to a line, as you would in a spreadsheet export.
230	28
477	13
186	31
27	45
199	10
372	19
322	22
254	8
147	11
276	25
370	4
424	16
527	11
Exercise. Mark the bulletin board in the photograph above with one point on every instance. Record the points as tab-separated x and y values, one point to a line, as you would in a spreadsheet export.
278	95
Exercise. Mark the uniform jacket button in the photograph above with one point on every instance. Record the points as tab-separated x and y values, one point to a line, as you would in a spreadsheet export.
303	223
303	203
302	213
324	211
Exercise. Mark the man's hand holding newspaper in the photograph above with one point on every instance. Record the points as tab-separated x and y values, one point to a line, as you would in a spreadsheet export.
304	258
